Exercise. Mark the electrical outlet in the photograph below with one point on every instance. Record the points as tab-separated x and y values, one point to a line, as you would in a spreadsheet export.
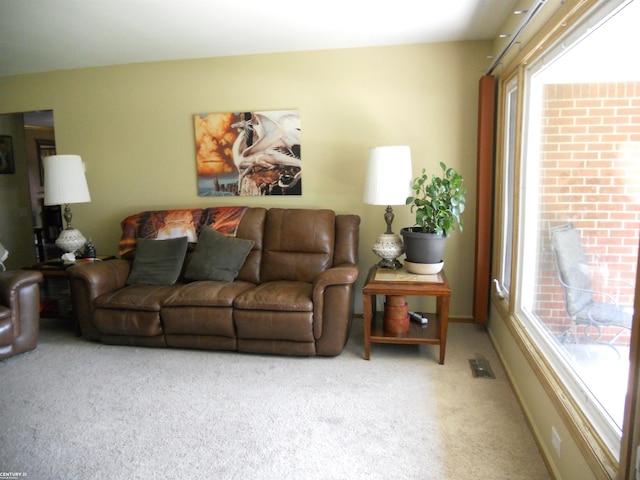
556	441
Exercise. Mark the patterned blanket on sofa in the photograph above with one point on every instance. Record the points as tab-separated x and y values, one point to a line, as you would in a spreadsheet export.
162	224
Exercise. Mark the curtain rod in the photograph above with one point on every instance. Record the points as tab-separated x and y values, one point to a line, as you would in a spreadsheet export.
525	22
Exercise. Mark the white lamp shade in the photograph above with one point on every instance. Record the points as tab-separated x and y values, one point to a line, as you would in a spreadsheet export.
64	180
389	176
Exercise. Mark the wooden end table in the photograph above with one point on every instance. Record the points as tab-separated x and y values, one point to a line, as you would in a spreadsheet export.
400	282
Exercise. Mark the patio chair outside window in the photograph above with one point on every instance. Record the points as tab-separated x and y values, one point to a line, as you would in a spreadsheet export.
585	306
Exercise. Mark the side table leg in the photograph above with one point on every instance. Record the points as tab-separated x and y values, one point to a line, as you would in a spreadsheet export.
367	299
442	309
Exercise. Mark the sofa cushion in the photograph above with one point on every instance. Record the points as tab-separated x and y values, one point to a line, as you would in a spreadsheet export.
280	327
124	322
133	310
157	262
136	297
207	294
217	257
279	296
196	321
298	244
252	228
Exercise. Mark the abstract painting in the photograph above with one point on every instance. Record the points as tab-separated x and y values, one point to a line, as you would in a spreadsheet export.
248	153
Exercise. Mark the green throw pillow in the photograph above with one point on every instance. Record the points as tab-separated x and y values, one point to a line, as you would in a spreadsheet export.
217	257
157	262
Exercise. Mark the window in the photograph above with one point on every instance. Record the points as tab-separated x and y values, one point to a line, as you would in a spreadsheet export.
507	195
580	169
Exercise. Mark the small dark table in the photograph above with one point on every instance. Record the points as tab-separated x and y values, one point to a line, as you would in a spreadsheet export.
401	282
56	270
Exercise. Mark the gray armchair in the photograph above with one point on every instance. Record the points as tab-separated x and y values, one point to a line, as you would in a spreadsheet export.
19	311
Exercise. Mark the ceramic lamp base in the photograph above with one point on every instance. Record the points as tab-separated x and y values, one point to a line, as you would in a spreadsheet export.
389	247
70	240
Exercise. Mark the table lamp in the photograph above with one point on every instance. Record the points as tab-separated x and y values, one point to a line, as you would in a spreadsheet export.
65	183
388	182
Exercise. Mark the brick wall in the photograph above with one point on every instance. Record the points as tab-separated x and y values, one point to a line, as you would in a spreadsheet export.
590	175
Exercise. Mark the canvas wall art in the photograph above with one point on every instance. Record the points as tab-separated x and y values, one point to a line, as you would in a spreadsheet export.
248	153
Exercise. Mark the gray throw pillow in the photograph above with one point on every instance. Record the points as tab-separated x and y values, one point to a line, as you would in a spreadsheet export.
217	257
157	262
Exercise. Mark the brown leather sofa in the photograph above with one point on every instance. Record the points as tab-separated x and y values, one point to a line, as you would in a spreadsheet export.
293	294
19	311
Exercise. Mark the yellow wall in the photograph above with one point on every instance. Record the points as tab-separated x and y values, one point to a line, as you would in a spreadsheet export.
133	126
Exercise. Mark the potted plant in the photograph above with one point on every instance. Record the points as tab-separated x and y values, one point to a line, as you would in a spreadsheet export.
438	203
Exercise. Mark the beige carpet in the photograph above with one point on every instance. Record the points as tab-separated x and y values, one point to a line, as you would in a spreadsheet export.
75	409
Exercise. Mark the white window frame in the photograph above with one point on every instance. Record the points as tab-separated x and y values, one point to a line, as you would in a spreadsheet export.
507	190
528	215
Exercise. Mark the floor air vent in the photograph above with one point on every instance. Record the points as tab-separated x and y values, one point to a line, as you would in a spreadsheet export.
480	367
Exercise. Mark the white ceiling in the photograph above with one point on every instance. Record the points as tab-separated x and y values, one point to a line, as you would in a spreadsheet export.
42	35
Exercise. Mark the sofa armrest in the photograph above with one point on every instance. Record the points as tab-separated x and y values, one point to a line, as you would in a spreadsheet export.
20	294
13	281
340	275
90	280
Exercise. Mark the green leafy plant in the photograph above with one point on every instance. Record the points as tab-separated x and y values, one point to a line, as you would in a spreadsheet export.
438	202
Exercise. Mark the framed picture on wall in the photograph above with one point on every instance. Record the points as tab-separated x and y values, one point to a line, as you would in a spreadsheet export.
7	164
248	153
45	149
